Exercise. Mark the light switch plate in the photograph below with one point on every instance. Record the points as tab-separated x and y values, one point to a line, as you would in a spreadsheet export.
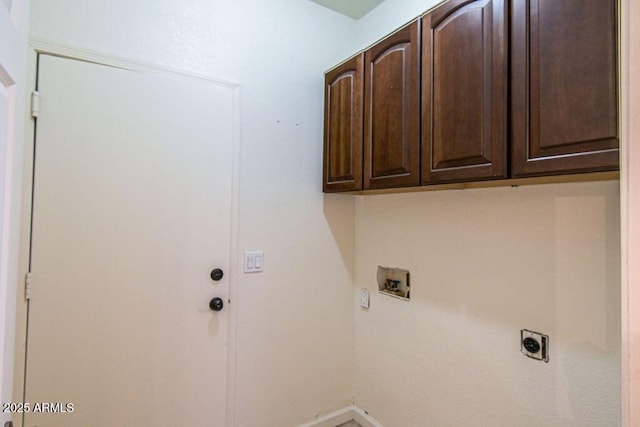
364	298
253	261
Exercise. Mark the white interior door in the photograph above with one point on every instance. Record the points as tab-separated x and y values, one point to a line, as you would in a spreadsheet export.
132	211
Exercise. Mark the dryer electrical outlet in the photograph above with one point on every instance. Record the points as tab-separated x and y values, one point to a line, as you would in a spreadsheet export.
534	345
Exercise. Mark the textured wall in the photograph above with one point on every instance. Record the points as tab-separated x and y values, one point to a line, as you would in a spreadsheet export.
295	321
484	264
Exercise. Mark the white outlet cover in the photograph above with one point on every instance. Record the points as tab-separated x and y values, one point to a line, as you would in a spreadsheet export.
364	298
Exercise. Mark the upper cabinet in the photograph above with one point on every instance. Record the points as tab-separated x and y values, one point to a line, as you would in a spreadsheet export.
563	86
477	90
343	127
392	111
464	92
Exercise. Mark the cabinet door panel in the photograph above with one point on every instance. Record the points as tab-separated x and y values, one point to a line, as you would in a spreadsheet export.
391	133
343	127
464	92
564	86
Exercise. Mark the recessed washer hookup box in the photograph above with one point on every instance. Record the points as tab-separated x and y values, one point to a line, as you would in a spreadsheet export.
394	282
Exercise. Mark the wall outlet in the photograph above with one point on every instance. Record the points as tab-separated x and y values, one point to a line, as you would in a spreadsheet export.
364	298
534	345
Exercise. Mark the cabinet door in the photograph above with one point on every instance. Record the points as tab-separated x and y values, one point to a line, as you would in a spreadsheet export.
392	111
563	86
464	92
343	127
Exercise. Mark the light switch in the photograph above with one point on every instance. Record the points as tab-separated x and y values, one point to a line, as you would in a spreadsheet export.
253	261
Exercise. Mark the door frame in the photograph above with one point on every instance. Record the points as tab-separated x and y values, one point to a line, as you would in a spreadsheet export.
37	47
14	24
629	16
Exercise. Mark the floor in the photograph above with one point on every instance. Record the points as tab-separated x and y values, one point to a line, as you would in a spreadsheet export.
350	424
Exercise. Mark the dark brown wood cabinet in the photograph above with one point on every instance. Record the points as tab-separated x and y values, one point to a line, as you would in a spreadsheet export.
392	111
343	131
564	108
464	92
477	90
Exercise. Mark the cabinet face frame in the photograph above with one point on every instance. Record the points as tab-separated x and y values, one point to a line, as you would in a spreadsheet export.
549	75
342	167
464	92
392	111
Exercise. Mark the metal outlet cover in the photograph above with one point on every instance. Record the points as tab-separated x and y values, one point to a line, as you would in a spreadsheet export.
541	339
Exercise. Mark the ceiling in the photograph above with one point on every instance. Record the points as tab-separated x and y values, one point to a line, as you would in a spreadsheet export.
353	8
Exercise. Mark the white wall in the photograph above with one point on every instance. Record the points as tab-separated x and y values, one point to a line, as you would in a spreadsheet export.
295	321
484	264
14	18
390	15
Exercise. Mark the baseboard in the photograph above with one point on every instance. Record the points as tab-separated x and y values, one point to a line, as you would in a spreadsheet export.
342	416
364	419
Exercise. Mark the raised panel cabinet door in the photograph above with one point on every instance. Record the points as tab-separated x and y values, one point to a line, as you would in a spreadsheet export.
464	92
563	86
343	127
392	111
